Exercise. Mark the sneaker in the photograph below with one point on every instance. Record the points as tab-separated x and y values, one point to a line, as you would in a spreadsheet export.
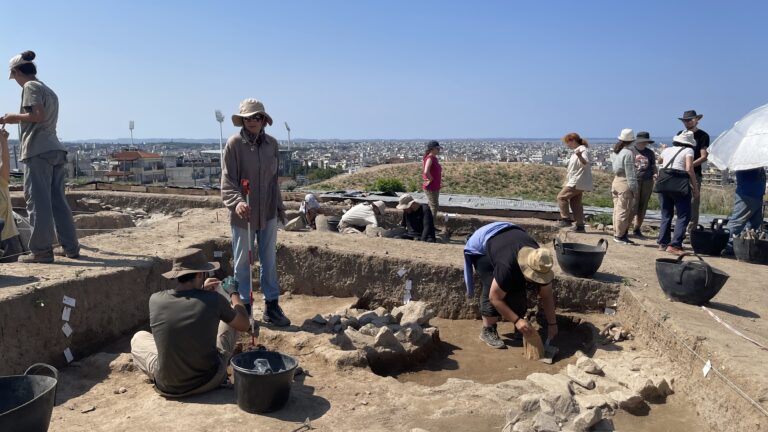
637	233
562	223
274	315
490	336
675	250
623	240
36	258
59	251
578	228
662	247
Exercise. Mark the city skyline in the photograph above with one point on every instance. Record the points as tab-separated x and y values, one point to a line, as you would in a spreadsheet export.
400	70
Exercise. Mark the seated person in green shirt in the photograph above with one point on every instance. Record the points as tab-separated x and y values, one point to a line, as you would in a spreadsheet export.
417	219
194	329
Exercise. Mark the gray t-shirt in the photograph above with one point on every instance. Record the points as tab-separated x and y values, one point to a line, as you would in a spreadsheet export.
38	138
184	325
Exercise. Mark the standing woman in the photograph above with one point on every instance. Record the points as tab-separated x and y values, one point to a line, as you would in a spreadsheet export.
252	154
679	157
432	173
578	180
45	164
624	186
645	168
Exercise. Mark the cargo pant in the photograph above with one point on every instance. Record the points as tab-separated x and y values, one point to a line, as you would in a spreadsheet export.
623	206
144	352
571	197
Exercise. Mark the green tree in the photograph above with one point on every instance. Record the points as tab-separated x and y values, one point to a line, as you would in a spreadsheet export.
386	185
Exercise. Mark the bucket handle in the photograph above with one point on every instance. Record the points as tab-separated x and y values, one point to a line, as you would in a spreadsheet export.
557	244
47	369
700	227
686	266
603	243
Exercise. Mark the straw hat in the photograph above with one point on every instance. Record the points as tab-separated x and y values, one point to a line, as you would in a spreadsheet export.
627	135
405	202
685	138
536	264
248	108
190	261
380	205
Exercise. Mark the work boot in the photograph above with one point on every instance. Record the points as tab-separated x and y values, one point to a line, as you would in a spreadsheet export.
59	251
638	233
562	223
274	315
578	228
490	336
39	258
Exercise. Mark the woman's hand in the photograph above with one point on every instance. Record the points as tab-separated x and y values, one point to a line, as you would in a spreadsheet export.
4	136
243	210
524	326
211	284
9	118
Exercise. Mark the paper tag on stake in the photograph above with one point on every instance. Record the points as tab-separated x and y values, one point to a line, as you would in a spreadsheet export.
69	301
68	355
707	368
67	329
402	271
66	313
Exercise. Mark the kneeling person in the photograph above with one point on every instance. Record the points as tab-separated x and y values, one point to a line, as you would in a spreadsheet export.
359	217
510	263
194	330
417	220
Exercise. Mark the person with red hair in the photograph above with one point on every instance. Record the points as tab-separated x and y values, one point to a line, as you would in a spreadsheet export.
578	180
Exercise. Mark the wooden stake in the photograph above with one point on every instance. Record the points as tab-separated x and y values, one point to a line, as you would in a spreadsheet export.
533	346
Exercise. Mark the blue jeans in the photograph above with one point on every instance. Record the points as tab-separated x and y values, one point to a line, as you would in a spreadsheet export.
267	254
670	205
746	210
47	206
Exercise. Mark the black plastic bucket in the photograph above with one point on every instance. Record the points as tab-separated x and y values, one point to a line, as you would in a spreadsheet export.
333	223
709	241
751	251
578	259
263	393
26	401
692	282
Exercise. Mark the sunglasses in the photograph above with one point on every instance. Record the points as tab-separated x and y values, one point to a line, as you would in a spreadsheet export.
257	117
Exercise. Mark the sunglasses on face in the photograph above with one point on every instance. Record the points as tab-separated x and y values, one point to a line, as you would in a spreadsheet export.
257	118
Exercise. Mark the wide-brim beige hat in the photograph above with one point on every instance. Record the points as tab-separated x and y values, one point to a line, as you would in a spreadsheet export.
380	205
190	261
627	135
536	264
405	202
685	138
248	108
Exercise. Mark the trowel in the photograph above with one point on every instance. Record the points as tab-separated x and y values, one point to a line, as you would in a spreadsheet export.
550	351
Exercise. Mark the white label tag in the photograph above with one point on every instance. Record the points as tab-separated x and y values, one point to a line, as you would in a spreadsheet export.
69	301
68	355
218	254
408	284
66	313
67	329
402	271
707	368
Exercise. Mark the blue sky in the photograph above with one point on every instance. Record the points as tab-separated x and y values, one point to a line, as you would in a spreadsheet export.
395	69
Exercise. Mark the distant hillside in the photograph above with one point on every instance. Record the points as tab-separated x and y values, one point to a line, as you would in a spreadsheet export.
503	180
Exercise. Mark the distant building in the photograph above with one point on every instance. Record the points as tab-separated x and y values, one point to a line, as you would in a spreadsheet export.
136	166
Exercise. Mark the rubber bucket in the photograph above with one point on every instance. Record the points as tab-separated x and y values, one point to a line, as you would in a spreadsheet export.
26	401
692	282
258	393
333	223
751	251
578	259
709	241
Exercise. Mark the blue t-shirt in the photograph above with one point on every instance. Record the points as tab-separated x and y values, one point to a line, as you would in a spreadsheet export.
476	245
751	183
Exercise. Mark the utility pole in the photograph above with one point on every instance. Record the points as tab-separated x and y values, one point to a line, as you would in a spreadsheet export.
130	128
220	119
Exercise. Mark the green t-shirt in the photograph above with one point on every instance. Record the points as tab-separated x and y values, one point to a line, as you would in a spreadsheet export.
184	325
38	138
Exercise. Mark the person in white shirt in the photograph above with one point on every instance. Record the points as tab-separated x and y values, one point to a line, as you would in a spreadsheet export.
362	215
578	180
679	157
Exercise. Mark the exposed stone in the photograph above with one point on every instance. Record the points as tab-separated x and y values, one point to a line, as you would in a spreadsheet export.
386	339
397	313
545	423
319	319
523	426
644	387
562	404
513	415
587	419
103	220
546	407
627	400
416	312
380	311
123	362
529	402
87	409
120	390
551	383
383	320
369	330
590	401
358	339
589	366
333	321
413	332
400	335
663	385
366	317
579	377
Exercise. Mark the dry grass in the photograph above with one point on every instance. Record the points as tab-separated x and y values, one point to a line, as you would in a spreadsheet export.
511	180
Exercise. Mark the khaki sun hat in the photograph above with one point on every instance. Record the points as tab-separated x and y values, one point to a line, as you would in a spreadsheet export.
685	138
405	202
536	264
380	205
248	108
190	261
627	135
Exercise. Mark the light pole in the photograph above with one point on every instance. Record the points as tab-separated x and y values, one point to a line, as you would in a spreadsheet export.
130	128
220	119
288	128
